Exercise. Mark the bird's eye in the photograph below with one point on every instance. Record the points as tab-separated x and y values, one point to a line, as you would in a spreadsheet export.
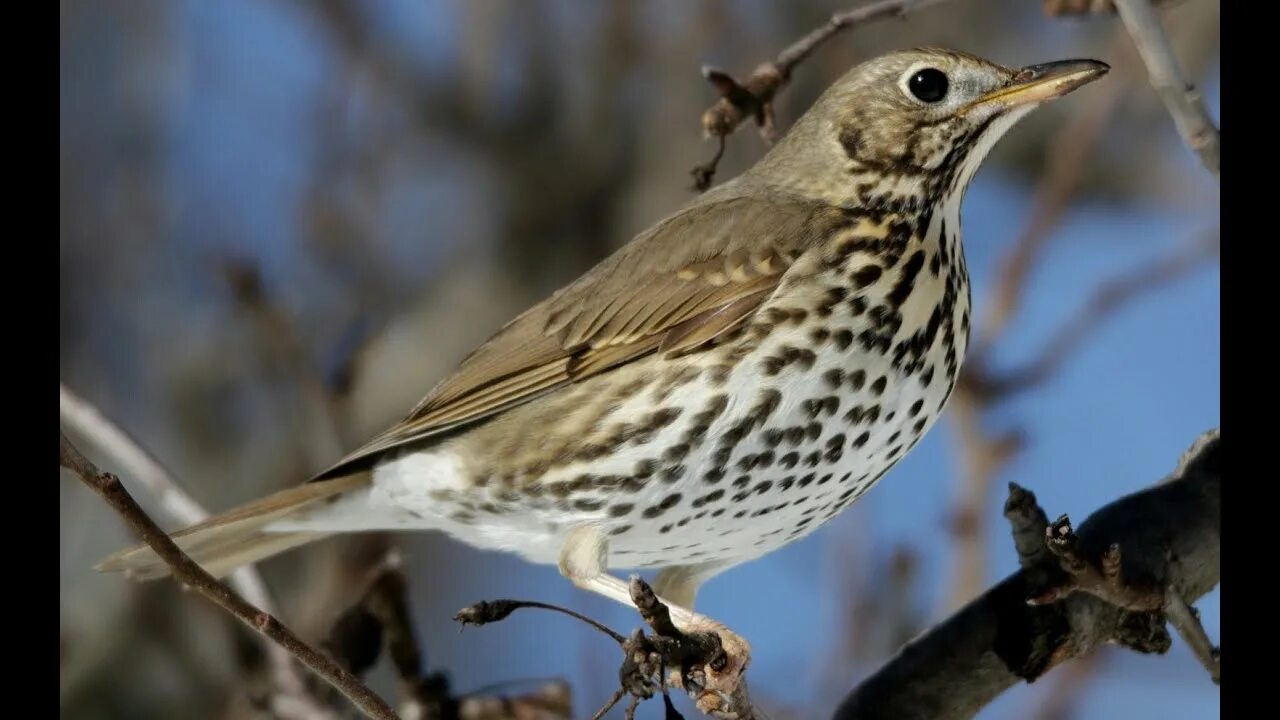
928	85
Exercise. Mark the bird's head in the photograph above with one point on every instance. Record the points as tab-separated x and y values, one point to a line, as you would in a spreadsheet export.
923	115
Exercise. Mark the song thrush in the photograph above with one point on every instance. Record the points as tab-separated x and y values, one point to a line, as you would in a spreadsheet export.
725	383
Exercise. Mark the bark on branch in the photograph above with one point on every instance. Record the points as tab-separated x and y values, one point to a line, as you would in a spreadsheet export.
289	698
1184	103
192	576
1154	552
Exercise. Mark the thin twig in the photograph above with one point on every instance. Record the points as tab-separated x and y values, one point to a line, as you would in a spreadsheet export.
487	611
753	97
617	695
1185	104
84	419
191	575
1187	622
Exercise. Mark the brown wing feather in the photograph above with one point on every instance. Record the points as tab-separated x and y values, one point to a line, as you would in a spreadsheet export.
676	287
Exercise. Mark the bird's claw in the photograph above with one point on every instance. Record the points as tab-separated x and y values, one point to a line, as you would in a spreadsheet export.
641	666
716	684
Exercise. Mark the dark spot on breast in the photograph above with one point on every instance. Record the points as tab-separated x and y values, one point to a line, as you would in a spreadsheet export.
811	407
907	280
708	498
835	447
676	452
857	379
927	376
877	387
772	365
834	377
861	439
721	456
854	416
866	275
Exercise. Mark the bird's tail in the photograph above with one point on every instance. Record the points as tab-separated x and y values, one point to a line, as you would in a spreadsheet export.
239	536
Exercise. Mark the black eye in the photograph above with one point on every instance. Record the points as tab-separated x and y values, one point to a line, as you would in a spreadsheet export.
929	85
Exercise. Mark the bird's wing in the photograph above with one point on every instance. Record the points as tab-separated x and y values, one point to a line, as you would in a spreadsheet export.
672	289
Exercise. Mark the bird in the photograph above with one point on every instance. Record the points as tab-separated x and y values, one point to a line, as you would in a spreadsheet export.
722	385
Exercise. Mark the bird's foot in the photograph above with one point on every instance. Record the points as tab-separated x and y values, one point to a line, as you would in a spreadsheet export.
702	657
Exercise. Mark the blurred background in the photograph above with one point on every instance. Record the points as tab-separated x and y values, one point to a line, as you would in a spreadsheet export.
283	222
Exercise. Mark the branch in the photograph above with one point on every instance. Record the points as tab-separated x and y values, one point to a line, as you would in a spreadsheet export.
1186	620
1184	103
753	97
380	622
83	419
1168	538
80	416
192	576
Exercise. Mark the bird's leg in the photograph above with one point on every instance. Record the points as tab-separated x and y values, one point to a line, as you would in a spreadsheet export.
717	686
680	583
584	559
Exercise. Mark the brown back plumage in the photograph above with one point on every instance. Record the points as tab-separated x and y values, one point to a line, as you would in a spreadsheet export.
673	289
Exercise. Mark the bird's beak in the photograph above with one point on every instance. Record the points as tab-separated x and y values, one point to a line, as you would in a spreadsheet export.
1038	83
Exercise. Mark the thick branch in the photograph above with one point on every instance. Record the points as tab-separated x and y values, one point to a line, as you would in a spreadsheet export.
191	575
1185	104
1170	538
